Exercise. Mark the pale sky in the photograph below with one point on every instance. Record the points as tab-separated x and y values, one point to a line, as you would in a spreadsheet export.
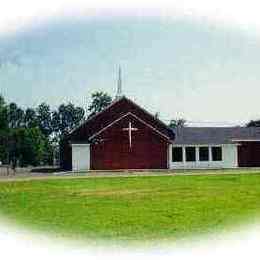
197	62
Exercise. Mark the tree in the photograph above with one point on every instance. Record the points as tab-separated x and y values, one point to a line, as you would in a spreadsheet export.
48	152
79	116
30	118
30	137
3	114
2	101
28	146
44	119
56	122
100	101
177	123
157	115
3	130
15	116
253	123
66	118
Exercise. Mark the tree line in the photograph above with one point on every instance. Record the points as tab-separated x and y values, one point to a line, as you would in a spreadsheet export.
30	136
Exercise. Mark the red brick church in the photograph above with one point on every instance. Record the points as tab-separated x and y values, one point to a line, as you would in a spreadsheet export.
125	136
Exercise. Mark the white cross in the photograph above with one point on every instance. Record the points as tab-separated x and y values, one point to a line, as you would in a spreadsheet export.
130	129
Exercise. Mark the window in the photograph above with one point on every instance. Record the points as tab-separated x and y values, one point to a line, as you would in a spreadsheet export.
190	154
216	153
177	154
203	153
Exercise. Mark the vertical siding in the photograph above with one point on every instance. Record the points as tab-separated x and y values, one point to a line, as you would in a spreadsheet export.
148	151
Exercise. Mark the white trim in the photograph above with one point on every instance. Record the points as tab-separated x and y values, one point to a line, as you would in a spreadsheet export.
183	154
209	144
109	125
222	153
210	153
197	155
113	103
169	156
190	146
147	112
229	157
245	140
79	144
120	118
94	116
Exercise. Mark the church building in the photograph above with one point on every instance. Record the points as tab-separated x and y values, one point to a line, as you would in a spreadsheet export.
123	136
126	136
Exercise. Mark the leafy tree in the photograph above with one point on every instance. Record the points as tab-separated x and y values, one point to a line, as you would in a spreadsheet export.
79	116
12	116
100	100
3	151
66	118
2	101
29	137
3	114
48	152
44	119
56	122
253	123
15	116
27	146
177	123
157	115
30	118
3	130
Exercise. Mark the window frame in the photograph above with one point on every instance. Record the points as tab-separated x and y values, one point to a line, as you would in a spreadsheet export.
199	153
221	153
189	147
182	154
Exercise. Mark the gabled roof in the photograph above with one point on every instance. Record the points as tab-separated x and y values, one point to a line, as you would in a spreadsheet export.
215	135
133	116
111	113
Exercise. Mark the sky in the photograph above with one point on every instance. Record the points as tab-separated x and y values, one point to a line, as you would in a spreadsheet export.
180	65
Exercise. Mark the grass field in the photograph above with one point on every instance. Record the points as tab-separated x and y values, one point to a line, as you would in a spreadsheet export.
132	208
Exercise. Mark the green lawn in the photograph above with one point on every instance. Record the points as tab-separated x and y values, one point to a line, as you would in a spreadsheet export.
132	208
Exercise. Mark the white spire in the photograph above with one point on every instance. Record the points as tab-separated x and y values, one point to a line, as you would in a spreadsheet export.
119	85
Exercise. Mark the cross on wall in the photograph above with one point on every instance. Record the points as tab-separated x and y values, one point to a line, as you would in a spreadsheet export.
130	129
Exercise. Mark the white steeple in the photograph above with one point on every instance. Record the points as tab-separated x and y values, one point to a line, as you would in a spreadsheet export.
119	85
